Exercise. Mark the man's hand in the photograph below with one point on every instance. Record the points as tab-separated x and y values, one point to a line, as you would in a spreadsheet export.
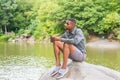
53	38
57	39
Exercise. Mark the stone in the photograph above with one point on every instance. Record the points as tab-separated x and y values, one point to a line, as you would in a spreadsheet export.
85	71
104	44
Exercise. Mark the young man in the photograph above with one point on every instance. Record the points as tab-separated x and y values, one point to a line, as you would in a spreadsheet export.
72	45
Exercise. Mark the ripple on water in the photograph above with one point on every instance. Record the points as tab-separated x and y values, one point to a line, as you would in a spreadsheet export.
23	68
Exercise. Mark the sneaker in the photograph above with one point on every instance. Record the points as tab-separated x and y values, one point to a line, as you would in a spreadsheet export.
55	70
61	73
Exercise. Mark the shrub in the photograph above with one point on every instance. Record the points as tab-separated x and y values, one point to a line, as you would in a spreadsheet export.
115	34
21	31
111	21
4	38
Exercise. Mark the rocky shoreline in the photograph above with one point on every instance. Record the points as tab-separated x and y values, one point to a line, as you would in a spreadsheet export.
106	44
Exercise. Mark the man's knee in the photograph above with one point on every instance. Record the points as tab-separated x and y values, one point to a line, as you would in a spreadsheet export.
68	45
71	46
58	43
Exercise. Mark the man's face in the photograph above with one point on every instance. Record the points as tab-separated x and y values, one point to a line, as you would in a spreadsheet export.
68	25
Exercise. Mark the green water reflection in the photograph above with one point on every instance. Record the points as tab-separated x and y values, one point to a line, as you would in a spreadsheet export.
103	56
24	61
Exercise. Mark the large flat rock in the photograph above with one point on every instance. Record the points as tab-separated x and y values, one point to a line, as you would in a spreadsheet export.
85	71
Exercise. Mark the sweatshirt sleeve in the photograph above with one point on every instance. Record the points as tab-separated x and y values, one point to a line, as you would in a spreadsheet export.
64	35
78	37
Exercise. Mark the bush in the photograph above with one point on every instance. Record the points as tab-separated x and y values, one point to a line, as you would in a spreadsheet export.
98	17
4	38
1	33
111	21
116	33
21	31
36	34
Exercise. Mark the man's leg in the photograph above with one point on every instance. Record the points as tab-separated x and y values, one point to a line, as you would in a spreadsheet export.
58	46
67	50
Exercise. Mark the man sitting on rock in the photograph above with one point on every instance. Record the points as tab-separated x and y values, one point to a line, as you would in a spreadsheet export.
72	45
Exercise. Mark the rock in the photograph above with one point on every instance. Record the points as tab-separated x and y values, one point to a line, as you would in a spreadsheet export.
85	71
105	44
25	36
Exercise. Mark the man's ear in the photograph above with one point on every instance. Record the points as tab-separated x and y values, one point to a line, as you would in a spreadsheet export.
73	24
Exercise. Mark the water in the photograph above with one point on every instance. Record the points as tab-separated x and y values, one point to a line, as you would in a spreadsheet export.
24	61
21	61
106	57
22	68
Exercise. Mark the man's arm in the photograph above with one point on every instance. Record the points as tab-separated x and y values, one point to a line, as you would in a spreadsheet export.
64	35
78	37
54	38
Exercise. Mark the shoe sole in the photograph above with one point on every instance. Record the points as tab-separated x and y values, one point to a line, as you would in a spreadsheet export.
63	75
53	74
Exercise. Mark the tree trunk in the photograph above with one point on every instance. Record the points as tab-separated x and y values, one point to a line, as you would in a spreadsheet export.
1	29
5	29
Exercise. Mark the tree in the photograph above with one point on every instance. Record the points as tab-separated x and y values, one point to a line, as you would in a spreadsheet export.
91	15
14	15
6	8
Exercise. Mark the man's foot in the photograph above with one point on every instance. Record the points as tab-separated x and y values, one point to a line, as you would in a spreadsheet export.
55	70
61	73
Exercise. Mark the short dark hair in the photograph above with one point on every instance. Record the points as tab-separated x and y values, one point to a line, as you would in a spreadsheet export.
72	20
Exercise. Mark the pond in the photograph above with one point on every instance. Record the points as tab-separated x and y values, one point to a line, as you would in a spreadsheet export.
23	61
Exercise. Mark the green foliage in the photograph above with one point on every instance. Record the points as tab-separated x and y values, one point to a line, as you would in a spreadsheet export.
12	35
41	33
117	33
32	27
42	18
1	33
45	24
111	22
21	31
86	34
93	16
14	14
4	38
87	14
118	37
